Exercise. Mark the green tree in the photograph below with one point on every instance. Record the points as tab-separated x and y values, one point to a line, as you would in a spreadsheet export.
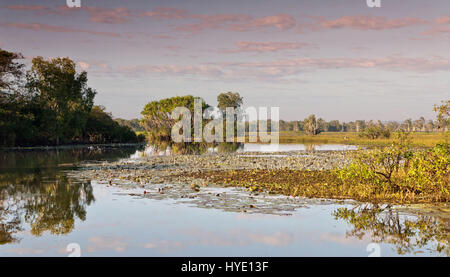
102	128
64	96
158	123
229	99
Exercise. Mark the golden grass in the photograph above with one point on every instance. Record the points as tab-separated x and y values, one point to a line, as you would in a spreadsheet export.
311	184
418	139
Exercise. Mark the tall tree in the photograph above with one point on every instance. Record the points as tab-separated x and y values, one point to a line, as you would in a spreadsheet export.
64	95
311	125
229	99
443	114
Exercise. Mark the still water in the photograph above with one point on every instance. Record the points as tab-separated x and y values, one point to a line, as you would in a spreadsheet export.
43	209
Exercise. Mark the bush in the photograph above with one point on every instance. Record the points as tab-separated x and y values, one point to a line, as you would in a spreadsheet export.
374	132
401	173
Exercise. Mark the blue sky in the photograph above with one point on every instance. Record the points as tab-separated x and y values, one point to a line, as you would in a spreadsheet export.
338	59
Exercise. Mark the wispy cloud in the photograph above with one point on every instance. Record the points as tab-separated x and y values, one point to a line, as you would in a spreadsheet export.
280	69
52	28
359	22
254	46
232	22
96	14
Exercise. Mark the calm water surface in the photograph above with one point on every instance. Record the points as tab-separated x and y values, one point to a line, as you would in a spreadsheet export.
43	209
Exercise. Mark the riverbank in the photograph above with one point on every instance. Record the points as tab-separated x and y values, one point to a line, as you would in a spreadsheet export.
308	174
72	146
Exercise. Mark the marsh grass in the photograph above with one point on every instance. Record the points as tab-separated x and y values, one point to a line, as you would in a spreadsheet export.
418	139
313	184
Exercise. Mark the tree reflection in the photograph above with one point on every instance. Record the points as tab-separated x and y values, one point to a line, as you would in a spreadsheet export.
407	233
44	198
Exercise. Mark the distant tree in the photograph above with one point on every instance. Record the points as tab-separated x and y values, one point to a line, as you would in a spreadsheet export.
229	99
408	125
334	126
443	115
134	124
430	126
311	125
360	125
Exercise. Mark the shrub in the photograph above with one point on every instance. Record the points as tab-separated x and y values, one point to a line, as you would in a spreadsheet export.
404	174
374	132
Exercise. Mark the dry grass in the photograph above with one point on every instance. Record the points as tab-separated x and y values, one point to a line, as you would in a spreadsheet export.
419	139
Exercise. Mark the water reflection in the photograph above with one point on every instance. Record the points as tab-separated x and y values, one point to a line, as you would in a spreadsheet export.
37	196
228	147
35	190
406	233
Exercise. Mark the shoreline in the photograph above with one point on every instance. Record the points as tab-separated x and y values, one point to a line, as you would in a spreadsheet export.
71	146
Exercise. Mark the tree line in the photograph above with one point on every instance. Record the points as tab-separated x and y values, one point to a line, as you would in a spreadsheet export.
50	103
314	126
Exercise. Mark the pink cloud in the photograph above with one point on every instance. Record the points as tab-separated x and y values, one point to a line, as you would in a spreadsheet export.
253	46
98	15
27	7
233	22
439	26
280	21
387	63
436	30
361	22
219	21
52	28
111	16
443	20
280	69
167	13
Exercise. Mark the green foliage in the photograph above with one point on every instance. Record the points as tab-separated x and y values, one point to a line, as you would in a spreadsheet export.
63	95
429	172
51	106
134	124
229	99
418	175
101	128
375	132
158	123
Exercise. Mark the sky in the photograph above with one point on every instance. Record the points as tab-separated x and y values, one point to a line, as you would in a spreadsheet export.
338	59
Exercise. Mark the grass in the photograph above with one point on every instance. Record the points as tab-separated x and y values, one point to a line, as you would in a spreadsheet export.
418	139
311	184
